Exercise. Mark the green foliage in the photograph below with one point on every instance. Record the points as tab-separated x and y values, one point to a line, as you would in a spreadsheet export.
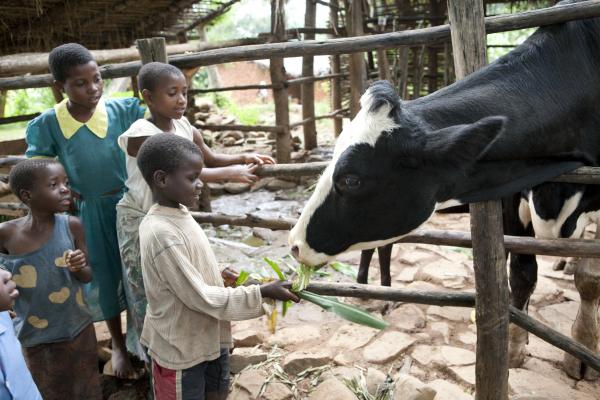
28	101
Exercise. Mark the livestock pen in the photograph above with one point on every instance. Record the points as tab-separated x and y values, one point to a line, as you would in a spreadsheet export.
491	298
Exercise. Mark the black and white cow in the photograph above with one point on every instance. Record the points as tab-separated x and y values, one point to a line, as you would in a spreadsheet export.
522	120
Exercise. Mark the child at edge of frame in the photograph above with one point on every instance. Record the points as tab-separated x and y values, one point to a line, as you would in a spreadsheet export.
187	329
45	251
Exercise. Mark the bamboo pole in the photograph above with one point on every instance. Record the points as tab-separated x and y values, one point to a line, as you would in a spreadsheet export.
308	89
437	34
489	259
277	71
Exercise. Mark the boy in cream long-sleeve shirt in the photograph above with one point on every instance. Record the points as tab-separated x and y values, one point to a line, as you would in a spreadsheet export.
186	328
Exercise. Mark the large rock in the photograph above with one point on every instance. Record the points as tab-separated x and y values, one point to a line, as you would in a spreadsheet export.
332	389
406	274
407	317
244	356
352	336
410	388
374	378
387	347
560	316
446	273
456	314
293	335
529	383
277	391
465	374
448	391
467	337
251	381
298	361
247	338
440	329
442	355
279	184
236	187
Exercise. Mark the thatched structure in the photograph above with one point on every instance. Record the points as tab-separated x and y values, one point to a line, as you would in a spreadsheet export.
40	25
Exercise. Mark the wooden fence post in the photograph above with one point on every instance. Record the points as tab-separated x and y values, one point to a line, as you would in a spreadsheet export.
336	83
308	89
277	70
153	49
357	66
489	260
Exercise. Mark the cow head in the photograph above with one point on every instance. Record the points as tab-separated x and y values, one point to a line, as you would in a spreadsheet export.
388	172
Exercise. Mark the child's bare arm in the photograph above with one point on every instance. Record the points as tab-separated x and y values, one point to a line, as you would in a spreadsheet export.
77	259
134	144
215	160
5	234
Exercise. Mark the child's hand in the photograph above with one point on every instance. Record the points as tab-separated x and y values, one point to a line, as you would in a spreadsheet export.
229	277
8	290
257	159
278	290
243	173
75	260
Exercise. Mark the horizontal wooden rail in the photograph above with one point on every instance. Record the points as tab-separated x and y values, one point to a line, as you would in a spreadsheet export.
228	89
243	128
503	23
18	118
517	317
333	114
309	79
583	175
249	220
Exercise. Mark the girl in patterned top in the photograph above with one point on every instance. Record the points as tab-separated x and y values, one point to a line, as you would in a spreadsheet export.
45	252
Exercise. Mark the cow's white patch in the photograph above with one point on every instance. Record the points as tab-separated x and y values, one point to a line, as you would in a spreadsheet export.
550	229
524	212
366	127
448	204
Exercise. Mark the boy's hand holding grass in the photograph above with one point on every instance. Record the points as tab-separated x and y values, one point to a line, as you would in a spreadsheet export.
278	290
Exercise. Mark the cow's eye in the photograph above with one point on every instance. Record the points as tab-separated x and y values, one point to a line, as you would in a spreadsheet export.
351	182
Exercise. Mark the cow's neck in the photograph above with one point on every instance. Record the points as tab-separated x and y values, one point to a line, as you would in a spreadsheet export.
549	89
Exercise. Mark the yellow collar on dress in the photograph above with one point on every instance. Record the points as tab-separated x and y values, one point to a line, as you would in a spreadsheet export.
98	123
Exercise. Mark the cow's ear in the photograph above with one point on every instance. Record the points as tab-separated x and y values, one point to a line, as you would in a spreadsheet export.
381	98
462	145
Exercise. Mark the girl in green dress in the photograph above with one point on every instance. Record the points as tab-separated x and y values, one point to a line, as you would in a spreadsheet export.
82	132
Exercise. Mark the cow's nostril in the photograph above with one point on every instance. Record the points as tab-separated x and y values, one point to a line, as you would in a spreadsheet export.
295	251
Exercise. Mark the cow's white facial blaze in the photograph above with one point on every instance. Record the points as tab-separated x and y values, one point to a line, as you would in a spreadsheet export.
366	127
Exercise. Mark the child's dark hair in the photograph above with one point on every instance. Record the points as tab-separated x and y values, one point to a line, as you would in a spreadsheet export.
23	175
151	73
66	56
164	152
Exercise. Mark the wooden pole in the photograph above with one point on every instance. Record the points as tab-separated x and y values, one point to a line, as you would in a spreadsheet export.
489	260
357	66
277	70
154	49
2	102
308	89
336	84
432	51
